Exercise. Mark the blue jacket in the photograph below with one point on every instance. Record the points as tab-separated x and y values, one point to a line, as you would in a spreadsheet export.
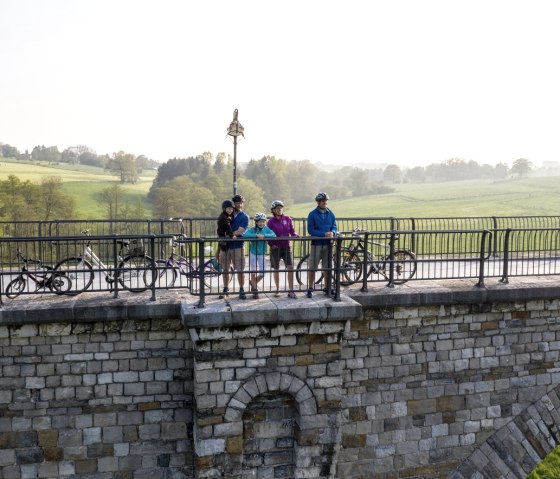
258	247
241	219
319	223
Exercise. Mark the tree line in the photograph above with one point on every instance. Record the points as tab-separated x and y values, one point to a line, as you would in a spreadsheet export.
125	166
196	185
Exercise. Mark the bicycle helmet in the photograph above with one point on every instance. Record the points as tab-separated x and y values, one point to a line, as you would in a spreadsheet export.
238	199
227	204
276	203
259	216
321	196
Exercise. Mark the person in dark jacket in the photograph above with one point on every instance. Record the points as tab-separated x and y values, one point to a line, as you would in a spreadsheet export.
321	222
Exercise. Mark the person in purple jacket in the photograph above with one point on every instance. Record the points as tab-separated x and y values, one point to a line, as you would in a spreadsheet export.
283	226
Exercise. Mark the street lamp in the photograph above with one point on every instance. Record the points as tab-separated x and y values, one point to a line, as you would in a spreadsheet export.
235	129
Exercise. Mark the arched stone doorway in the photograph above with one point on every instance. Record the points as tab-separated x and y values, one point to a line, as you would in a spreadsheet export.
294	439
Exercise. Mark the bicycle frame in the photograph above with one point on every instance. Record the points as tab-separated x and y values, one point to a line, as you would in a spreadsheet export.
176	264
90	255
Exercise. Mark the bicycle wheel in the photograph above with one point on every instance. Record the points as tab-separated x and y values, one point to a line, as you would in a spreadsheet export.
80	272
351	267
302	270
404	264
16	287
136	273
60	283
210	272
166	275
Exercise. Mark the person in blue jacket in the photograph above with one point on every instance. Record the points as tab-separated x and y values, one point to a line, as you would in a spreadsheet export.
321	222
235	255
257	250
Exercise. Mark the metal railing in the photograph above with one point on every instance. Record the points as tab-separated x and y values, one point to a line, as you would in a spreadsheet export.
154	263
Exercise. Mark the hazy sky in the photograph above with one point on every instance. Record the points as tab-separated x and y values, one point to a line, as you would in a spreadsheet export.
408	82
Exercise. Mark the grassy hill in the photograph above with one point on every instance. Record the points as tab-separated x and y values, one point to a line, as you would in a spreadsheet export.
533	196
83	183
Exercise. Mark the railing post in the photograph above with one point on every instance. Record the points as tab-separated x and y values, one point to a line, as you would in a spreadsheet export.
201	285
114	273
153	267
365	263
485	233
495	238
391	283
338	253
505	272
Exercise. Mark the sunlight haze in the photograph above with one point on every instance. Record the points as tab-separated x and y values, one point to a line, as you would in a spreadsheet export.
356	82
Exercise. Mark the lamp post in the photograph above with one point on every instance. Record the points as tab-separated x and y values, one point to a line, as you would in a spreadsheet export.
235	129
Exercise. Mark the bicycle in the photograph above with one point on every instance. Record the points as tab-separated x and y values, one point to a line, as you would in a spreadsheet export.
404	261
43	276
130	272
167	269
352	262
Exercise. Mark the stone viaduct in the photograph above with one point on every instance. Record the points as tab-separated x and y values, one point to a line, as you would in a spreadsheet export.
420	381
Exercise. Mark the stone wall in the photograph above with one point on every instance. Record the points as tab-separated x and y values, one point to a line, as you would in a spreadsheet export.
425	386
103	399
405	383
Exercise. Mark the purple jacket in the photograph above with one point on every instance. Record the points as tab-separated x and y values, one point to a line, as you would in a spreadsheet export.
282	226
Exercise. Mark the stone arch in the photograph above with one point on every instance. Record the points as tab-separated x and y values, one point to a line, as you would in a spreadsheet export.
316	435
269	383
520	445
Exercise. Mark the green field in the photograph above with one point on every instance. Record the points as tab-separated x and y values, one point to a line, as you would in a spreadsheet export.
533	196
83	183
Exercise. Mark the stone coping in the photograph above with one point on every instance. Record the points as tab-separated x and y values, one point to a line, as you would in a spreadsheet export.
89	307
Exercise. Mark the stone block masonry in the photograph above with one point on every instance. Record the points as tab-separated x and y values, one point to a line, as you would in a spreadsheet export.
99	399
424	382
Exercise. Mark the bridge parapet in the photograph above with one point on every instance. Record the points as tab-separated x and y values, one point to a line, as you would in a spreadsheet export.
424	380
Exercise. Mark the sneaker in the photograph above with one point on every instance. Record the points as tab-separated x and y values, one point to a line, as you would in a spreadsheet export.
277	294
255	292
242	294
292	295
331	293
309	293
225	292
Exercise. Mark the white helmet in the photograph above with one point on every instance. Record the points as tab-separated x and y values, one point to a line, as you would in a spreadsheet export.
276	203
259	216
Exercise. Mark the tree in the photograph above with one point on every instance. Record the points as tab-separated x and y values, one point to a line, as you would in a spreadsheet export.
501	171
8	151
18	199
392	174
111	197
358	182
521	167
54	203
124	166
220	163
416	174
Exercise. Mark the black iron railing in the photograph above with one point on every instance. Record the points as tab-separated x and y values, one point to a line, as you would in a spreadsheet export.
154	263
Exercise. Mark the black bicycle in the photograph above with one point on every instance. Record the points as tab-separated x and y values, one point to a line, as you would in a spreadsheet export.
352	258
44	277
352	262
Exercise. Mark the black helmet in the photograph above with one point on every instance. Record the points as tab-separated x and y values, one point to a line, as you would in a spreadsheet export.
238	199
227	204
321	196
276	203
